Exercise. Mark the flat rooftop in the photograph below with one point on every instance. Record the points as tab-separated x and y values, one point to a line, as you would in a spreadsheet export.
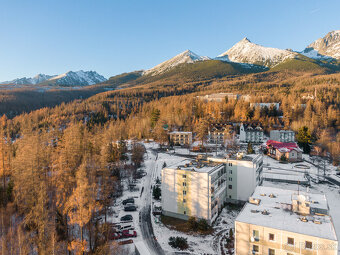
248	157
284	219
197	166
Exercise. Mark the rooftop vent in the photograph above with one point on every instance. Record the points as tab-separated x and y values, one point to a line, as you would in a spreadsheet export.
263	195
317	222
254	201
272	195
254	211
303	219
265	212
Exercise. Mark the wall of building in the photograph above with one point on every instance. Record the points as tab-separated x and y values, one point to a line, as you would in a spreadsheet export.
244	241
197	201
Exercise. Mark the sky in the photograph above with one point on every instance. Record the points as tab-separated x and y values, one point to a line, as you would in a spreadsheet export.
112	37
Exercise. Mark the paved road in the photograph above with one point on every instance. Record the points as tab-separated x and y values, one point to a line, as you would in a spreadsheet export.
145	214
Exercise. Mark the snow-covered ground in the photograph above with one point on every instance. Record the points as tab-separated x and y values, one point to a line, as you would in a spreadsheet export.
210	244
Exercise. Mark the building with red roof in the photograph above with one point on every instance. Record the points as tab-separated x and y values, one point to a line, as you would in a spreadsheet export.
279	150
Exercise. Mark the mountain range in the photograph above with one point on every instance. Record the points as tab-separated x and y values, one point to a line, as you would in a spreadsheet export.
79	78
247	52
323	55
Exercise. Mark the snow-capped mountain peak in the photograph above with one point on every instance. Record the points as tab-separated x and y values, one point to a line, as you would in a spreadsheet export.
70	78
79	78
187	57
33	81
326	47
247	52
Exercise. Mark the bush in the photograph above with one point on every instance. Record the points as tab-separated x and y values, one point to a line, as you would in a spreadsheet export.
283	158
156	192
178	242
192	223
203	225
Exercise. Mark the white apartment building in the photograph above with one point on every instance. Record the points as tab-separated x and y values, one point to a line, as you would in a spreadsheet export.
251	134
279	221
244	174
283	136
181	138
191	188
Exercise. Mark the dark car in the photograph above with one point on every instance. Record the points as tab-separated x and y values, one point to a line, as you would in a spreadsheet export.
130	208
129	233
127	217
128	201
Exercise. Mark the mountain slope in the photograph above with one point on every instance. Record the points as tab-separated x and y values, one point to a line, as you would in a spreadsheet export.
69	79
34	80
247	52
187	57
326	47
79	78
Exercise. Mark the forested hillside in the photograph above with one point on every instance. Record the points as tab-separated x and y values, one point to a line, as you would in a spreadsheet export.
61	166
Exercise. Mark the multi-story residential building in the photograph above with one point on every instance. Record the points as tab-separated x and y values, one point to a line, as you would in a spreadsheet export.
218	133
244	174
191	188
280	221
250	134
288	151
181	138
283	136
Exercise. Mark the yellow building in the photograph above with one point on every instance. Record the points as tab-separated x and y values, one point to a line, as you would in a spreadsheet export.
277	221
181	138
191	188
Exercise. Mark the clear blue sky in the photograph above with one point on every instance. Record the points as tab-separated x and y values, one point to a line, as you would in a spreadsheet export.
111	37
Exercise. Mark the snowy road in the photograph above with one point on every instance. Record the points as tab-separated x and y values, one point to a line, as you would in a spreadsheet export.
145	214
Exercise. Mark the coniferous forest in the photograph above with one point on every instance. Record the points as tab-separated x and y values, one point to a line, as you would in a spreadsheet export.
61	166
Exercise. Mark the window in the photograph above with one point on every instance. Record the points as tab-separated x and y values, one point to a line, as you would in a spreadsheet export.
230	164
256	235
230	179
184	184
230	186
184	200
255	248
184	192
230	171
184	176
290	241
184	212
229	196
309	245
271	237
271	251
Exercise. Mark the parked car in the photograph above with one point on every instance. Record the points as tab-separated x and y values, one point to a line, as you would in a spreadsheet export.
130	208
126	227
115	236
128	201
129	233
127	217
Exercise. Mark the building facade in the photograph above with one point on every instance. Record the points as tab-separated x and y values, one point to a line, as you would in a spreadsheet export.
181	138
277	221
249	134
287	151
219	132
192	188
244	174
283	136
